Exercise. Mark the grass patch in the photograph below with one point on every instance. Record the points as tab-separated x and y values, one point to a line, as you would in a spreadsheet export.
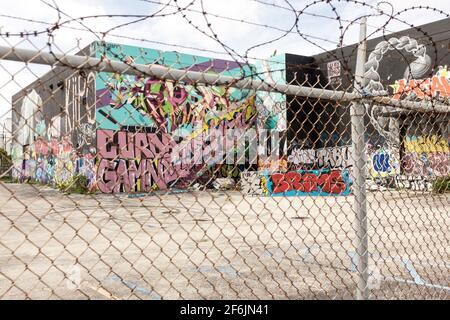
7	179
442	185
78	184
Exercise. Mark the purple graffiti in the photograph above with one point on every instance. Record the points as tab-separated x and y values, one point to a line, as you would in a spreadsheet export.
136	161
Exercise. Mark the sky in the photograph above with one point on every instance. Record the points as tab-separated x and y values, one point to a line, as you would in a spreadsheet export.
256	28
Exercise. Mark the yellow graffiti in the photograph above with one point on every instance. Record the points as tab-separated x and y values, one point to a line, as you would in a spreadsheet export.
248	108
264	188
64	169
423	144
443	72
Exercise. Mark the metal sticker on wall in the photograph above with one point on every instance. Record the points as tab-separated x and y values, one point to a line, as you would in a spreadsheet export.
334	69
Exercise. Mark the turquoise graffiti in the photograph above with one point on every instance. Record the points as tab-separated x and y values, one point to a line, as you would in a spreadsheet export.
167	106
179	111
173	108
271	105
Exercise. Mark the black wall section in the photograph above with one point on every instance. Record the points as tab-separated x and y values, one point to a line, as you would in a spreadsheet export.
306	117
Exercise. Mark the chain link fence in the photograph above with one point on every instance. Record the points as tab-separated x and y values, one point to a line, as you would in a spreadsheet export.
135	173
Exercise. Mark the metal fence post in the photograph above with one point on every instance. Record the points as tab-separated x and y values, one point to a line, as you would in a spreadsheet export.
359	170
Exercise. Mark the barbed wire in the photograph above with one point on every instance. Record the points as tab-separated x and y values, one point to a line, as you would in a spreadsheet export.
186	8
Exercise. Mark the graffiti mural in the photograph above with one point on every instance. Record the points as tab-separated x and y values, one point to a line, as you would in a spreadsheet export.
46	149
251	183
123	133
136	162
173	108
176	118
298	183
271	106
182	112
388	127
312	183
422	158
413	183
382	162
54	162
438	86
426	156
337	157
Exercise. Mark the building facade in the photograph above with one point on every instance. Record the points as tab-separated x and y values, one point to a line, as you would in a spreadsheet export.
408	148
133	133
122	131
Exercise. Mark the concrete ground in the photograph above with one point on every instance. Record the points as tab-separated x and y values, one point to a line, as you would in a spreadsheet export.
218	245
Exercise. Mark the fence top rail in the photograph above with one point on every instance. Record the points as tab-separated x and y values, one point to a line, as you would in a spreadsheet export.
167	73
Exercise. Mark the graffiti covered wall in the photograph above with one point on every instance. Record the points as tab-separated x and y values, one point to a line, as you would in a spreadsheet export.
159	117
139	162
271	106
272	113
426	156
52	124
337	157
382	162
405	66
297	183
123	132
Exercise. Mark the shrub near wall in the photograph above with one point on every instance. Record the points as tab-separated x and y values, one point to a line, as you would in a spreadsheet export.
442	184
5	161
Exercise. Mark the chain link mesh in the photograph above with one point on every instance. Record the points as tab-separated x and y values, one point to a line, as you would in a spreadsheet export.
135	173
